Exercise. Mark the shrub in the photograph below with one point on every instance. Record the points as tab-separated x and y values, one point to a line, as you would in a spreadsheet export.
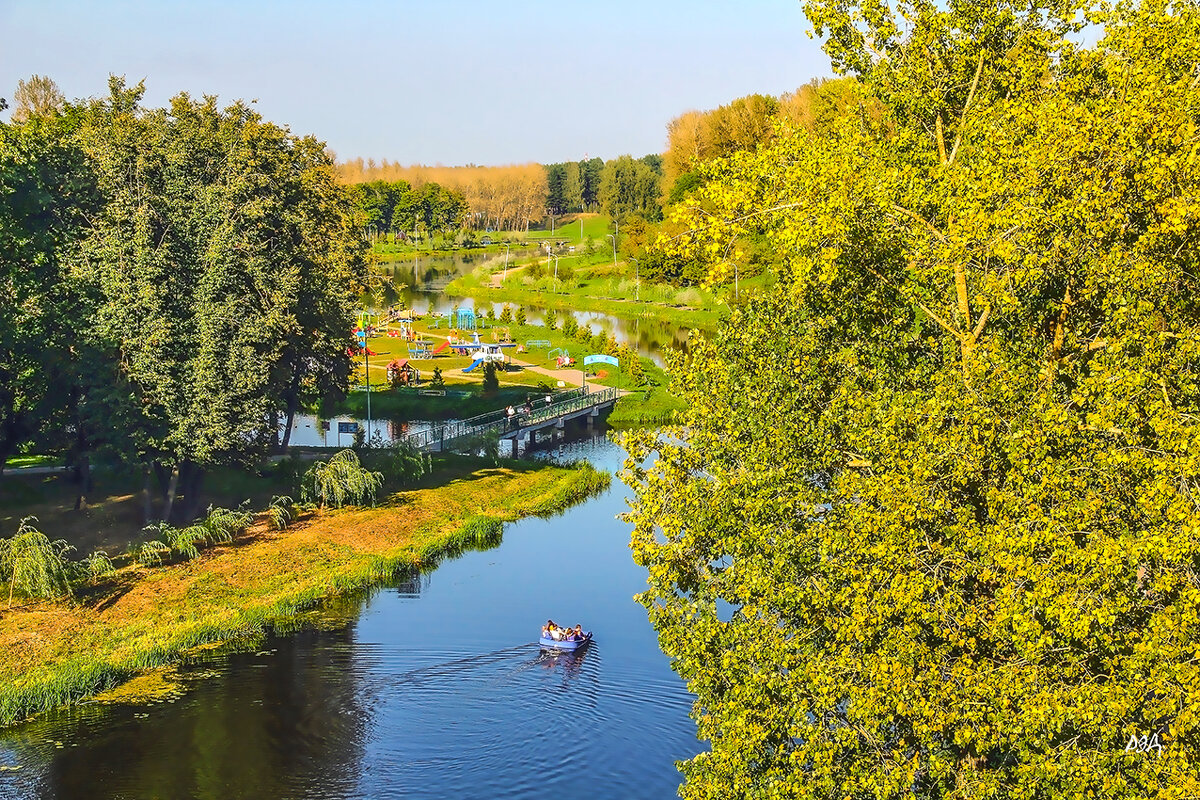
33	564
281	511
98	565
341	481
491	382
519	318
550	319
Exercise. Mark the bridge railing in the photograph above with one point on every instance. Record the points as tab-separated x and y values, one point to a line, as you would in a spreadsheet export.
562	404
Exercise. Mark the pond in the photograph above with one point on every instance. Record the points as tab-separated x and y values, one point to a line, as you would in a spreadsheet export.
432	687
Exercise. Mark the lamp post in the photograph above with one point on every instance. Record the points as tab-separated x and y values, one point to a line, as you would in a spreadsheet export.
637	284
367	364
614	238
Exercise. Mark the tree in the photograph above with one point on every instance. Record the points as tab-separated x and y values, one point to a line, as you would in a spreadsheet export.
37	97
629	187
227	263
341	481
928	527
491	382
47	189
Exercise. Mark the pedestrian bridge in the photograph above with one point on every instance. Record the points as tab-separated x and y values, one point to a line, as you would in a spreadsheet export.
520	431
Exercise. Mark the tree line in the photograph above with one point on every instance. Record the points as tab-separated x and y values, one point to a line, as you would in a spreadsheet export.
173	281
929	526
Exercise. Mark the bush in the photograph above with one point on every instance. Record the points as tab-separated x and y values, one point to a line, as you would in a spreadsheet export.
438	381
519	318
550	319
32	564
281	511
341	481
491	382
569	326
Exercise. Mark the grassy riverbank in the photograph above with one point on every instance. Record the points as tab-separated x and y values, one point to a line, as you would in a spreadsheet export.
603	288
54	653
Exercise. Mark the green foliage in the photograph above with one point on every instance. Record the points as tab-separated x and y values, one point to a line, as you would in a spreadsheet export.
151	553
491	381
928	527
519	317
630	187
569	325
341	481
32	564
506	314
438	382
98	566
281	511
550	319
184	542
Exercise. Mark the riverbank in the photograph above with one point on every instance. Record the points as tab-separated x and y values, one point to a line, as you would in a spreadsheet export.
598	290
62	652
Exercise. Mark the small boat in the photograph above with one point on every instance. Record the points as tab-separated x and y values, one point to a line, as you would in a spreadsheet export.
563	644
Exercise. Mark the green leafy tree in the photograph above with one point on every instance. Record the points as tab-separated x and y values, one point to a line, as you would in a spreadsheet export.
928	526
519	317
550	319
631	187
491	381
438	382
227	265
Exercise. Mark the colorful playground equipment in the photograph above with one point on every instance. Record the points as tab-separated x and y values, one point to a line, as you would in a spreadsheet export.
420	349
465	319
399	371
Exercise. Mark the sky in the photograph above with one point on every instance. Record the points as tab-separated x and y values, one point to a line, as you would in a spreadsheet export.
440	82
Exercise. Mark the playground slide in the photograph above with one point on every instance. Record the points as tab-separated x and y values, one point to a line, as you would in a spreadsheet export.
474	364
441	347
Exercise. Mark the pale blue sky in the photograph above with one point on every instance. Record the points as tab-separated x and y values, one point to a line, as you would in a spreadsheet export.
446	82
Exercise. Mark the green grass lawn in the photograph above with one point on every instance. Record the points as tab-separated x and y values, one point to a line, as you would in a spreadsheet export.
601	287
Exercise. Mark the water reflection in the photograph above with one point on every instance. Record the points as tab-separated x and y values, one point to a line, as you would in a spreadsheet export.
266	725
431	687
421	281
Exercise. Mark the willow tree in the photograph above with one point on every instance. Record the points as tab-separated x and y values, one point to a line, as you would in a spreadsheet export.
931	525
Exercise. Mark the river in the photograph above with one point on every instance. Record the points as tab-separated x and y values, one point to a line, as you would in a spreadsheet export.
431	687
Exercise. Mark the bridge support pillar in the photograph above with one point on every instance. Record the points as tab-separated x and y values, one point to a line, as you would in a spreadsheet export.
521	444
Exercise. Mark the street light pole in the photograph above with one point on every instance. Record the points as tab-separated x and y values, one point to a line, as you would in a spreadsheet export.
637	284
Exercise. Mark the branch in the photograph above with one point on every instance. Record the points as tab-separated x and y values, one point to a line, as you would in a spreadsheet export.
957	334
962	119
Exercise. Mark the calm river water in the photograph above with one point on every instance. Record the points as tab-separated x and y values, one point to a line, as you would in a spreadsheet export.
430	688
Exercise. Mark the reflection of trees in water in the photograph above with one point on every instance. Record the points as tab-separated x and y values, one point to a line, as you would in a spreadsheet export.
266	726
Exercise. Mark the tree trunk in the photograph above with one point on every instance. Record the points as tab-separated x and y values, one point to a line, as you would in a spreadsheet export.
172	487
147	504
293	405
193	485
83	480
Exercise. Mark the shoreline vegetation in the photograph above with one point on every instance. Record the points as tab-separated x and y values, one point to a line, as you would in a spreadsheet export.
61	652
